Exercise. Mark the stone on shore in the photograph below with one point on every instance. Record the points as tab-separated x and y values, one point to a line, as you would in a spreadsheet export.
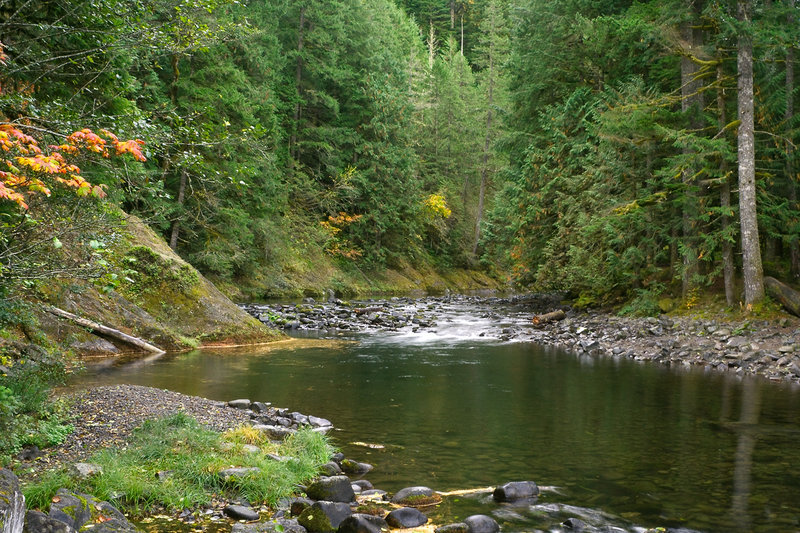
12	502
363	523
239	404
515	490
38	522
458	527
406	517
355	468
239	472
241	512
323	517
86	470
332	489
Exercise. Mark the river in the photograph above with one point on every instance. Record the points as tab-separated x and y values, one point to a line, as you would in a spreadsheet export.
611	441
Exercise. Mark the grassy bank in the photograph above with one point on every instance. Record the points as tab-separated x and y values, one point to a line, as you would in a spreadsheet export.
173	463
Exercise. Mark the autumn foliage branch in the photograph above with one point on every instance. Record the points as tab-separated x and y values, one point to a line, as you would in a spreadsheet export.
27	169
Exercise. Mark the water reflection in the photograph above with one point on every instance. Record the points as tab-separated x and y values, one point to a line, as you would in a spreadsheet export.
625	443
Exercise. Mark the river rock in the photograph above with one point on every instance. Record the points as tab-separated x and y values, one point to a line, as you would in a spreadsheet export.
324	516
374	495
364	484
80	511
415	496
331	468
355	468
363	523
260	407
458	527
12	503
480	523
332	489
574	524
38	522
239	472
515	490
406	517
319	422
279	525
241	512
86	470
298	505
243	404
275	432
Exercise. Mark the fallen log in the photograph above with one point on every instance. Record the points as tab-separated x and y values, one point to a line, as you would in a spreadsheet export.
549	317
787	296
105	330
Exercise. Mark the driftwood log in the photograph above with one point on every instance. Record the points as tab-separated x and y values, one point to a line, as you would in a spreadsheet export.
549	317
105	330
787	296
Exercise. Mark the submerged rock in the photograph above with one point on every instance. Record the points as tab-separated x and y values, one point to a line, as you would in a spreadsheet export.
515	490
458	527
416	496
279	525
480	523
406	517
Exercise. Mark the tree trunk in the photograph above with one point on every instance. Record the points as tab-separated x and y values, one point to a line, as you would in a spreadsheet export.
105	330
728	268
298	79
176	224
787	296
462	34
431	44
794	243
692	105
752	269
452	14
486	145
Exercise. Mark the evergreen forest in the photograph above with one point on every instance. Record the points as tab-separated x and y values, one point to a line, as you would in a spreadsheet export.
619	151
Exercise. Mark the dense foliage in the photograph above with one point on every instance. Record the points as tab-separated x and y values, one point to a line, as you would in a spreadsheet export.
589	146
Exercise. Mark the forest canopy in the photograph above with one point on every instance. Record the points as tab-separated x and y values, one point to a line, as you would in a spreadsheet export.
612	149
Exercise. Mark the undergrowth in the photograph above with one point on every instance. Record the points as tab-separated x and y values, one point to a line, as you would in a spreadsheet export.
175	463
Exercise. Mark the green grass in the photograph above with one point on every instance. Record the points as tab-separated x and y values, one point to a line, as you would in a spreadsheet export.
194	457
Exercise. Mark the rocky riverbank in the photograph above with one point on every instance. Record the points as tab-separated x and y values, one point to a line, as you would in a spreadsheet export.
769	348
340	500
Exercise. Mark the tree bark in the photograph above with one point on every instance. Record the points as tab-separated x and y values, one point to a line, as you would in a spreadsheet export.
692	105
298	79
794	243
486	145
105	330
752	269
728	268
787	296
176	224
549	317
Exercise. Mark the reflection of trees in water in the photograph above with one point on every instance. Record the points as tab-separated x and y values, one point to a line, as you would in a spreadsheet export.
743	462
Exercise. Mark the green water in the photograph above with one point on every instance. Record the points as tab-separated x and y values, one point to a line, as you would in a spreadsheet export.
613	441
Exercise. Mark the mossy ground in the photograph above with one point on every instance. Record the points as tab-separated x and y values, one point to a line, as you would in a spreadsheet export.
174	463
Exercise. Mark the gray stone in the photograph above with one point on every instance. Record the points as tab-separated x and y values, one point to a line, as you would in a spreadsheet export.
239	472
278	525
332	489
318	422
480	523
574	524
515	490
12	503
240	404
364	484
412	494
458	527
86	470
324	516
38	522
331	468
406	517
275	432
249	448
260	407
363	523
240	512
298	505
355	468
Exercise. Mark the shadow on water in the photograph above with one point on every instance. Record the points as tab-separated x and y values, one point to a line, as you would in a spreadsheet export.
618	443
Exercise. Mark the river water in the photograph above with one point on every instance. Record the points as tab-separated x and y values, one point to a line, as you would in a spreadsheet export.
611	441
